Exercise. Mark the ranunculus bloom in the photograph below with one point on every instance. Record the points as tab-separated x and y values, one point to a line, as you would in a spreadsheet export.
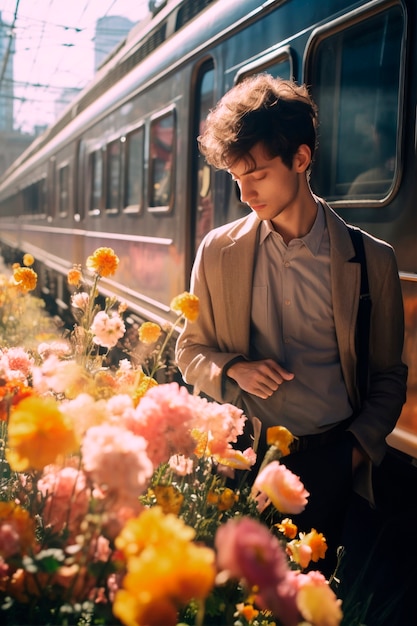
75	276
107	330
66	498
17	530
103	262
186	304
38	433
247	550
317	602
149	332
28	259
280	437
25	278
283	488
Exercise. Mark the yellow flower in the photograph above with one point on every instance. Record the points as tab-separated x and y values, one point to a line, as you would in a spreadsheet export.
319	605
146	383
279	437
152	527
75	276
20	520
149	332
165	569
28	260
25	278
168	498
187	305
38	434
288	528
103	262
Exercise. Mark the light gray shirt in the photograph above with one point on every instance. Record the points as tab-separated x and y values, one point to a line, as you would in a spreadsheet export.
292	323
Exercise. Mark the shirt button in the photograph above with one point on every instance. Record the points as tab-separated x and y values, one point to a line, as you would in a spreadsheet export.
287	302
286	264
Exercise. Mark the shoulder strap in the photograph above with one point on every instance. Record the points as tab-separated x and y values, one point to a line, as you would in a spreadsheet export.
364	313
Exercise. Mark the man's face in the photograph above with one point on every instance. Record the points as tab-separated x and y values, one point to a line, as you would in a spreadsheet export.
269	187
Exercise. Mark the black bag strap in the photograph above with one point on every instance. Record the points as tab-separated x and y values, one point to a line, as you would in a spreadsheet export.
364	313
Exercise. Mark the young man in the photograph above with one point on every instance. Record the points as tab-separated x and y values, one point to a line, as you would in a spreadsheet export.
279	293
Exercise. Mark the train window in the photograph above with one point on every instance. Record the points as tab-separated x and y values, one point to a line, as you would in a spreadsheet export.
279	63
204	215
162	144
63	190
133	184
113	172
95	169
356	78
34	198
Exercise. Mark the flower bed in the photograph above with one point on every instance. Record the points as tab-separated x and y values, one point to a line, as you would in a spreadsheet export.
116	505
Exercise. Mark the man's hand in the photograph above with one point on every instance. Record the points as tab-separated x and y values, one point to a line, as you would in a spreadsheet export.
260	378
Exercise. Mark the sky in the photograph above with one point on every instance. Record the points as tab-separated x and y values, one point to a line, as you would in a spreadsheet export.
55	50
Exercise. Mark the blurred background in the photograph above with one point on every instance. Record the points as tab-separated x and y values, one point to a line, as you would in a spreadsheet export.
49	51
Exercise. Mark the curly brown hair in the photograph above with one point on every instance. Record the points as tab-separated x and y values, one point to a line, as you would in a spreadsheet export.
261	109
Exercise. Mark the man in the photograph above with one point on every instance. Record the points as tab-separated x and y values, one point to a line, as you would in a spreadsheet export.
279	293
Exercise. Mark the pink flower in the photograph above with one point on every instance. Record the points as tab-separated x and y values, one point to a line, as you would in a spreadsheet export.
247	550
164	417
316	601
107	330
117	462
181	465
223	423
16	363
66	498
283	488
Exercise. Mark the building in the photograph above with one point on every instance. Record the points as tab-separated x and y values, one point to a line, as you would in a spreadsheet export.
110	30
7	49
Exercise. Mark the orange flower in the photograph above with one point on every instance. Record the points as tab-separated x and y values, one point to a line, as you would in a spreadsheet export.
14	516
11	393
279	437
25	278
288	528
187	305
38	434
149	332
103	262
317	542
75	276
223	500
28	260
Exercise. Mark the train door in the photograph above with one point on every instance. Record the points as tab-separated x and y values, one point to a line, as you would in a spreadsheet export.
202	208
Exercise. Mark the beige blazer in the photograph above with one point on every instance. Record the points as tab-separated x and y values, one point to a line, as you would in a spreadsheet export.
222	279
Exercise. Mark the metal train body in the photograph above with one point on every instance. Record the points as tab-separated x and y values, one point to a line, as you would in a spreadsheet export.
121	167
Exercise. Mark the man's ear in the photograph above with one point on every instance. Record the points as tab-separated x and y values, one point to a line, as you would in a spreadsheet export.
302	158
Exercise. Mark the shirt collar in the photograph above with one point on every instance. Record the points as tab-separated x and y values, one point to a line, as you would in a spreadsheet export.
311	240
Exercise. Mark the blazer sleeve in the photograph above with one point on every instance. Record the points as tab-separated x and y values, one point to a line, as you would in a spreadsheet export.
201	350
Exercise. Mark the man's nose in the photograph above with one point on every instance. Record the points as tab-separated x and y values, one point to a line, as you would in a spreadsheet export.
247	191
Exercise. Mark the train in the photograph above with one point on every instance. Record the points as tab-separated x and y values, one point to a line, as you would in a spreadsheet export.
121	167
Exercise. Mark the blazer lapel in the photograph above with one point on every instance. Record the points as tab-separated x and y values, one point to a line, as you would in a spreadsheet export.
345	282
237	263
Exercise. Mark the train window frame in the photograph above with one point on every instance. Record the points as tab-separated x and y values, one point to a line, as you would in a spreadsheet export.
112	176
34	197
92	185
63	167
366	16
265	62
166	207
127	207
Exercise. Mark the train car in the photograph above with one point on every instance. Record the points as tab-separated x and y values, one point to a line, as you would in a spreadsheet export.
121	167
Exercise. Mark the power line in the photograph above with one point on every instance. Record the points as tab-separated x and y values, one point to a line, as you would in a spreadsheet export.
9	45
